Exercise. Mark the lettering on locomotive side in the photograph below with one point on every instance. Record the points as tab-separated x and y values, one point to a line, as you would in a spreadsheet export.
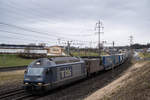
65	72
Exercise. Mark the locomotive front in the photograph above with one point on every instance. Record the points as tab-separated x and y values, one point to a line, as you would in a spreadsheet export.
35	77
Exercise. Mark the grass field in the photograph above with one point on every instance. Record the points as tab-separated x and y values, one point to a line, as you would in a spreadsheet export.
82	53
8	60
144	55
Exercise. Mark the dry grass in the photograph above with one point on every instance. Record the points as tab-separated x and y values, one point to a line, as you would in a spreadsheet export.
133	85
11	77
144	55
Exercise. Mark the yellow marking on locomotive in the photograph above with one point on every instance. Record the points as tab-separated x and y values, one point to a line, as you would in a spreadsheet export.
65	73
68	72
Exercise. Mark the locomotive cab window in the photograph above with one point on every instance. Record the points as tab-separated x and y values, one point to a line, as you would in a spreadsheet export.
35	71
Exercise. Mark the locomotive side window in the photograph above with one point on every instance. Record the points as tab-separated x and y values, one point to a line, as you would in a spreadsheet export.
62	74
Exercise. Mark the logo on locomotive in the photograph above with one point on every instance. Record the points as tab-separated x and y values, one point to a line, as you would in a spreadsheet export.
65	72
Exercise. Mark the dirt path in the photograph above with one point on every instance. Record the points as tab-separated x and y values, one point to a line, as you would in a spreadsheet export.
133	85
11	79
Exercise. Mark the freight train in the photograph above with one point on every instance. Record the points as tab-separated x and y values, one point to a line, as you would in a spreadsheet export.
49	73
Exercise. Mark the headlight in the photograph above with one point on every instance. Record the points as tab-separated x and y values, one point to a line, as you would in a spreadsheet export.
26	83
39	83
27	79
39	79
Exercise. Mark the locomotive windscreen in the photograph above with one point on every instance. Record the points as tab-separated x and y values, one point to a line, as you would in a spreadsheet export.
35	71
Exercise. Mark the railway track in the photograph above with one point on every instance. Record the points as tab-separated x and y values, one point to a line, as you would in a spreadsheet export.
14	94
5	69
24	97
6	91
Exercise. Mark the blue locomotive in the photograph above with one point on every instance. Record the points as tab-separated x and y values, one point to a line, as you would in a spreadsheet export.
47	73
50	73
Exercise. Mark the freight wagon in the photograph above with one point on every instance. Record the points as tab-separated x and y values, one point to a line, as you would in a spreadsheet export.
107	62
120	58
93	65
116	59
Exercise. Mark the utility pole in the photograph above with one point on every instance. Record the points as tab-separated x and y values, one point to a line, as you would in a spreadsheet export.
59	41
113	43
90	48
131	40
99	27
113	54
68	47
131	43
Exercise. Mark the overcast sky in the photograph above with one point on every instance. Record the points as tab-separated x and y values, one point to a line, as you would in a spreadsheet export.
74	20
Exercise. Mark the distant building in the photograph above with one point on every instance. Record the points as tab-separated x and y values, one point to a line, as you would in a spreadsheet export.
13	46
13	49
55	51
32	49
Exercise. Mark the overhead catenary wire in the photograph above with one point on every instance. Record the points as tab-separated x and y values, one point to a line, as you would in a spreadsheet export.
25	35
23	12
26	38
25	29
37	32
15	10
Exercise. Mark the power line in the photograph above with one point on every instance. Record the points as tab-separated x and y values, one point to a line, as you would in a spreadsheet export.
20	11
45	41
21	28
15	9
16	33
23	10
23	38
37	32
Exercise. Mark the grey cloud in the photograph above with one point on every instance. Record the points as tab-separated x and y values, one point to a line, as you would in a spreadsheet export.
128	15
